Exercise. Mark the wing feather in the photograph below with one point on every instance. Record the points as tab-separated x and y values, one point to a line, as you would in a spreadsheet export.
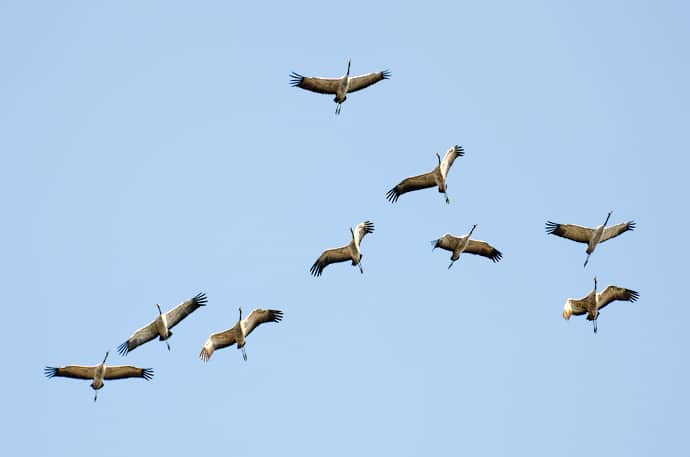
615	230
218	341
452	154
139	337
578	307
319	85
184	309
447	242
127	371
330	256
413	183
484	249
613	293
362	81
260	316
71	371
570	231
362	229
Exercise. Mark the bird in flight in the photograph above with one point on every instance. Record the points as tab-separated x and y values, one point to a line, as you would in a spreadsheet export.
591	236
239	332
459	244
350	251
98	373
594	302
339	87
161	325
436	177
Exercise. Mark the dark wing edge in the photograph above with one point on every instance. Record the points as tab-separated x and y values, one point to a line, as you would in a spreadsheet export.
363	81
296	79
50	372
123	349
551	227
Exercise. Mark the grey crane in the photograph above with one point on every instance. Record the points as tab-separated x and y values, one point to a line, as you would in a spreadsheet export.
350	251
591	236
436	177
161	325
239	332
339	87
594	302
459	244
99	373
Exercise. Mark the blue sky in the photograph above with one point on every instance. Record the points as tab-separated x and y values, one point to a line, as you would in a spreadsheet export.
152	151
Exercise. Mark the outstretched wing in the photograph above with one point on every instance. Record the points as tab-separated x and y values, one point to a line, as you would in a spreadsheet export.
613	293
217	341
484	249
578	307
448	242
362	229
410	184
570	231
320	85
71	371
328	257
452	154
260	316
184	309
362	81
141	336
615	230
127	371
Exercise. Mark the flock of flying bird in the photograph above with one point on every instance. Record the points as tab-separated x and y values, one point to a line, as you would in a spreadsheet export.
161	326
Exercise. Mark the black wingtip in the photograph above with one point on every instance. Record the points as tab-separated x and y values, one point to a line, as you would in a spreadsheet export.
296	79
498	255
148	373
368	227
201	299
551	227
634	295
50	371
386	74
315	269
277	315
631	225
392	195
123	349
459	150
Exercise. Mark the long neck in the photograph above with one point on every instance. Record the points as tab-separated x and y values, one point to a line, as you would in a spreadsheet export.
607	219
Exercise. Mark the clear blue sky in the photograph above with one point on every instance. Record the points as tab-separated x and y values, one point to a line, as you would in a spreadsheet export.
153	150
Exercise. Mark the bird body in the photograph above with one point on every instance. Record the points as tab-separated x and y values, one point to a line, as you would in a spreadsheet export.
162	324
591	236
436	177
339	87
239	332
459	244
98	373
350	251
594	302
